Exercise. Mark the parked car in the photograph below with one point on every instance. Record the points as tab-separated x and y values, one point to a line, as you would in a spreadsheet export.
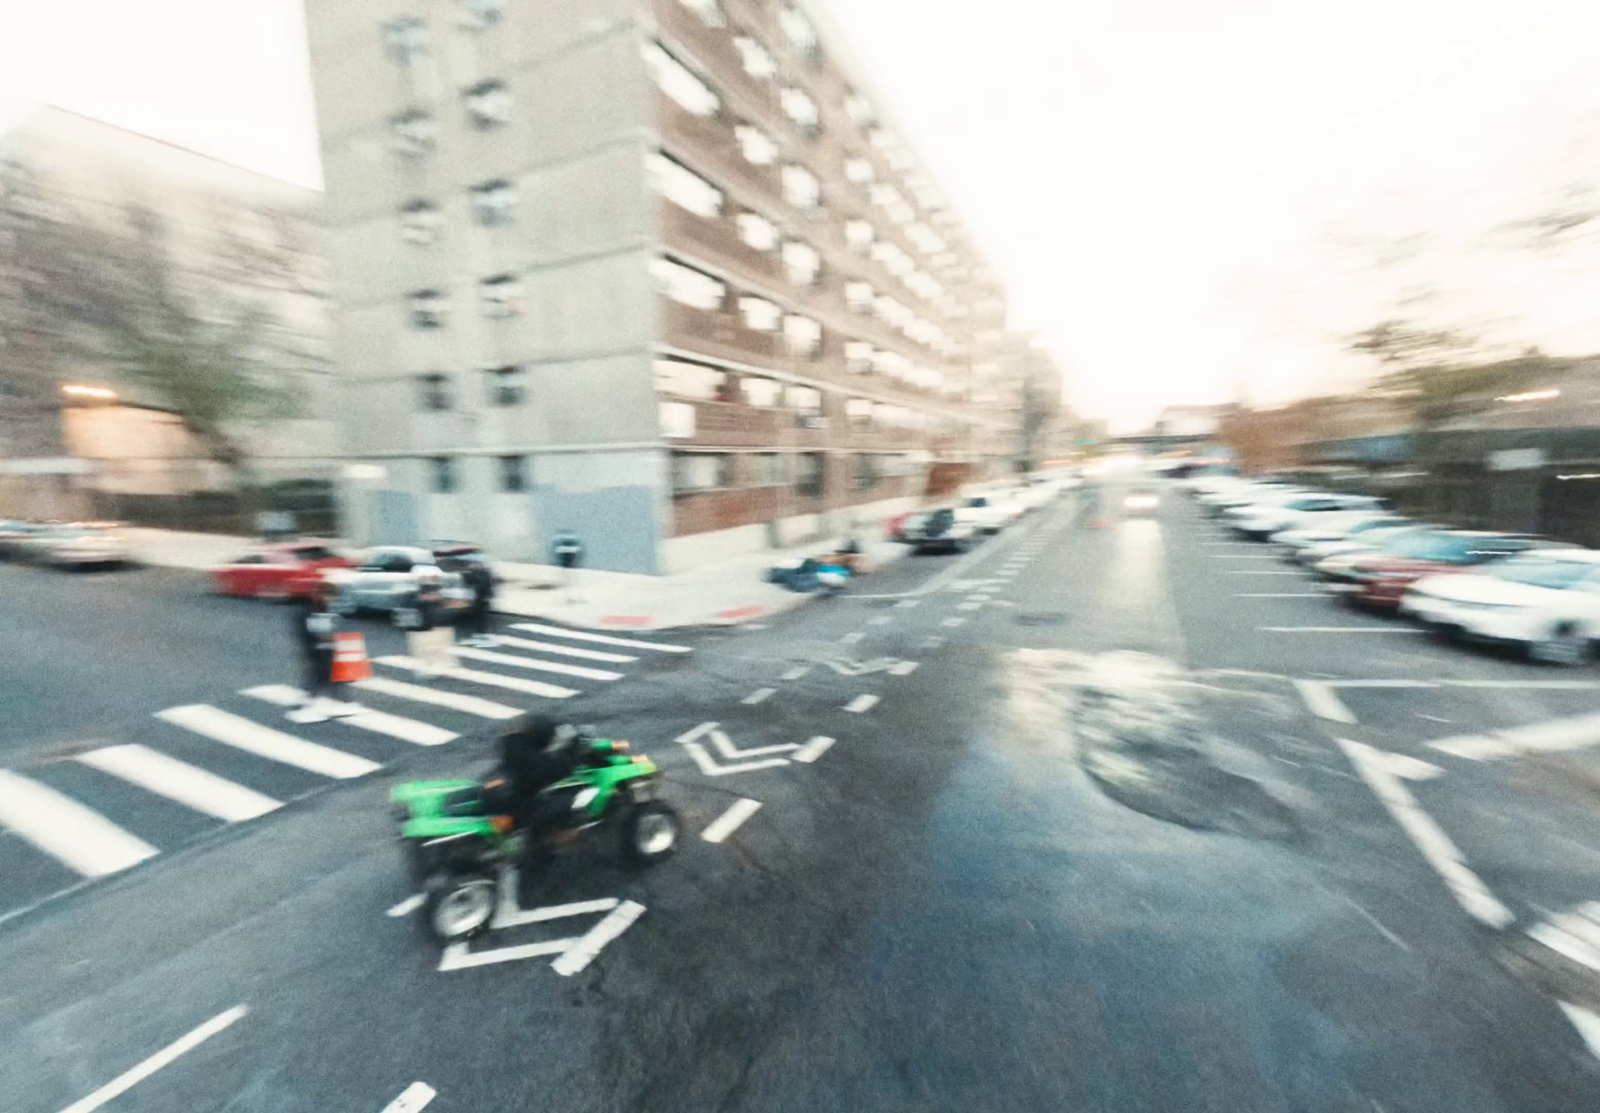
1261	520
989	513
388	577
938	530
73	545
282	571
1344	525
1334	558
1546	601
13	532
1380	580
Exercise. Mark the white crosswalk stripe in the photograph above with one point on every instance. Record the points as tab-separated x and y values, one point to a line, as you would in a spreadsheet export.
274	745
189	785
79	838
489	679
489	656
455	701
563	650
598	639
378	722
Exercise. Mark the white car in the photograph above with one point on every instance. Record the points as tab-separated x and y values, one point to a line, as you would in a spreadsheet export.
1366	541
1262	520
1247	494
1546	601
74	546
988	513
1342	525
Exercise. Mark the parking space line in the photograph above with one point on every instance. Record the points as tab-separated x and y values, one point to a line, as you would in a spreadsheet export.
1323	701
729	821
598	639
189	785
862	703
274	745
163	1058
413	1099
79	838
813	749
758	696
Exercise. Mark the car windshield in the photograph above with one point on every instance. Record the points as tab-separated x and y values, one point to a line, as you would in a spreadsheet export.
1540	571
1445	548
313	552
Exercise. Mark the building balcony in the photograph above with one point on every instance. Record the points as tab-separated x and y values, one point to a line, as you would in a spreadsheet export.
718	333
715	240
731	425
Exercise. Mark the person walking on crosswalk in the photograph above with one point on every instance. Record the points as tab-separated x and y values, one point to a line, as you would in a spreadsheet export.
479	577
315	624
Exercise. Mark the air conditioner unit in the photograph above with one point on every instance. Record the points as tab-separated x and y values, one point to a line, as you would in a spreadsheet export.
813	421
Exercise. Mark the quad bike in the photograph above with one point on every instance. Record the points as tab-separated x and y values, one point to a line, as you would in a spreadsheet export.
457	842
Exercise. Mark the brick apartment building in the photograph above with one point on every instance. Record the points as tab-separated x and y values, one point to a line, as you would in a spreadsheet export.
657	271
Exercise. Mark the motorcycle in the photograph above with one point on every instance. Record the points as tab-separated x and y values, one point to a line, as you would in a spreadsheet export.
457	845
832	578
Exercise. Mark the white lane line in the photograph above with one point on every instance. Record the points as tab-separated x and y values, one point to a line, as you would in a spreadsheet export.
1553	736
489	656
954	621
729	821
508	915
377	722
1323	701
488	679
413	1099
407	906
1340	630
710	768
1280	595
274	745
760	695
1531	685
969	606
457	957
907	604
797	672
1383	772
598	639
932	641
189	785
1381	683
864	702
563	650
583	952
904	668
879	620
1262	572
471	705
1573	934
1228	544
1587	1024
852	638
813	749
78	837
1245	556
165	1057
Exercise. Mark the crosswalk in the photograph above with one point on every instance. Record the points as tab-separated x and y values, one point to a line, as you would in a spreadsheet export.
199	766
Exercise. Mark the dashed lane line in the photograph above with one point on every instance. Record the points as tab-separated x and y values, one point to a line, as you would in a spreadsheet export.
760	695
797	672
1323	701
588	946
731	820
853	637
813	749
413	1099
956	620
862	703
163	1058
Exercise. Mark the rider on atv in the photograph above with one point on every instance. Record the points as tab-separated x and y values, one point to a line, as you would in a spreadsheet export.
536	751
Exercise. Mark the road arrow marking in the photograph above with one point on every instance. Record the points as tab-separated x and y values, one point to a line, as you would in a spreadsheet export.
586	949
710	768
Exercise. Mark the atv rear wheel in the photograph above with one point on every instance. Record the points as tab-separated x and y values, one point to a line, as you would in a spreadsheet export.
459	907
650	833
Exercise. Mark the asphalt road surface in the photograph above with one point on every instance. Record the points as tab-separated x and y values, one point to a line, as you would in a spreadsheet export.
1113	813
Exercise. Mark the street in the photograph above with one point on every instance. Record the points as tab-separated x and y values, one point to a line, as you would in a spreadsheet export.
1113	813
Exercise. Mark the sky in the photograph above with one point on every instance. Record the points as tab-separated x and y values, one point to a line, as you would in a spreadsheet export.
1185	199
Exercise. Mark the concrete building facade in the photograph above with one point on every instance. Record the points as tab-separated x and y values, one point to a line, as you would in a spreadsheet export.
655	271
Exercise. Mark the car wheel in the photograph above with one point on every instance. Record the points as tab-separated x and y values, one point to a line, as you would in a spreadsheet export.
1565	645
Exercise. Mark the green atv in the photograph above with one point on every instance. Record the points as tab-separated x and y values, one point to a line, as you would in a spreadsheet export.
457	844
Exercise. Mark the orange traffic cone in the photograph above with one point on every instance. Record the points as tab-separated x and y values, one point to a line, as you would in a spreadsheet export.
350	659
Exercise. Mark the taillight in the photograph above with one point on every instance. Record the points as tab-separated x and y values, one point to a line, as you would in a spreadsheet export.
502	824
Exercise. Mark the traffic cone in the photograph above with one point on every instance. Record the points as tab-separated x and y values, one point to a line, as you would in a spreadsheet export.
350	659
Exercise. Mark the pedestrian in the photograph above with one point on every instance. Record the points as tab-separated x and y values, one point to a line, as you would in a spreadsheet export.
480	579
315	624
431	639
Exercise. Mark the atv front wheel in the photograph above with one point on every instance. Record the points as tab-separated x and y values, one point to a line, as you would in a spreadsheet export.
650	833
460	907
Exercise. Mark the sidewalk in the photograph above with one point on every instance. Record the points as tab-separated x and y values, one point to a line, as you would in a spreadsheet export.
727	592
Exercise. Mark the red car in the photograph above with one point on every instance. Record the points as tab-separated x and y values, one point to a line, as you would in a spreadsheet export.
1381	579
282	571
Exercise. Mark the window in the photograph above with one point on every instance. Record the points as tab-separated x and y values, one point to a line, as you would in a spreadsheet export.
426	308
677	81
757	59
499	294
759	313
770	470
700	471
866	472
765	393
858	296
893	202
683	187
709	11
894	260
926	240
858	356
757	147
802	336
420	222
810	479
677	419
859	109
800	187
801	109
686	285
858	236
406	39
801	263
413	134
489	103
478	14
801	35
892	311
859	170
433	393
508	386
682	379
494	202
757	231
513	473
859	411
442	473
803	400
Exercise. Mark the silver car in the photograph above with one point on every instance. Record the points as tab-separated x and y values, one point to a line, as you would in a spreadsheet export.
74	546
388	579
